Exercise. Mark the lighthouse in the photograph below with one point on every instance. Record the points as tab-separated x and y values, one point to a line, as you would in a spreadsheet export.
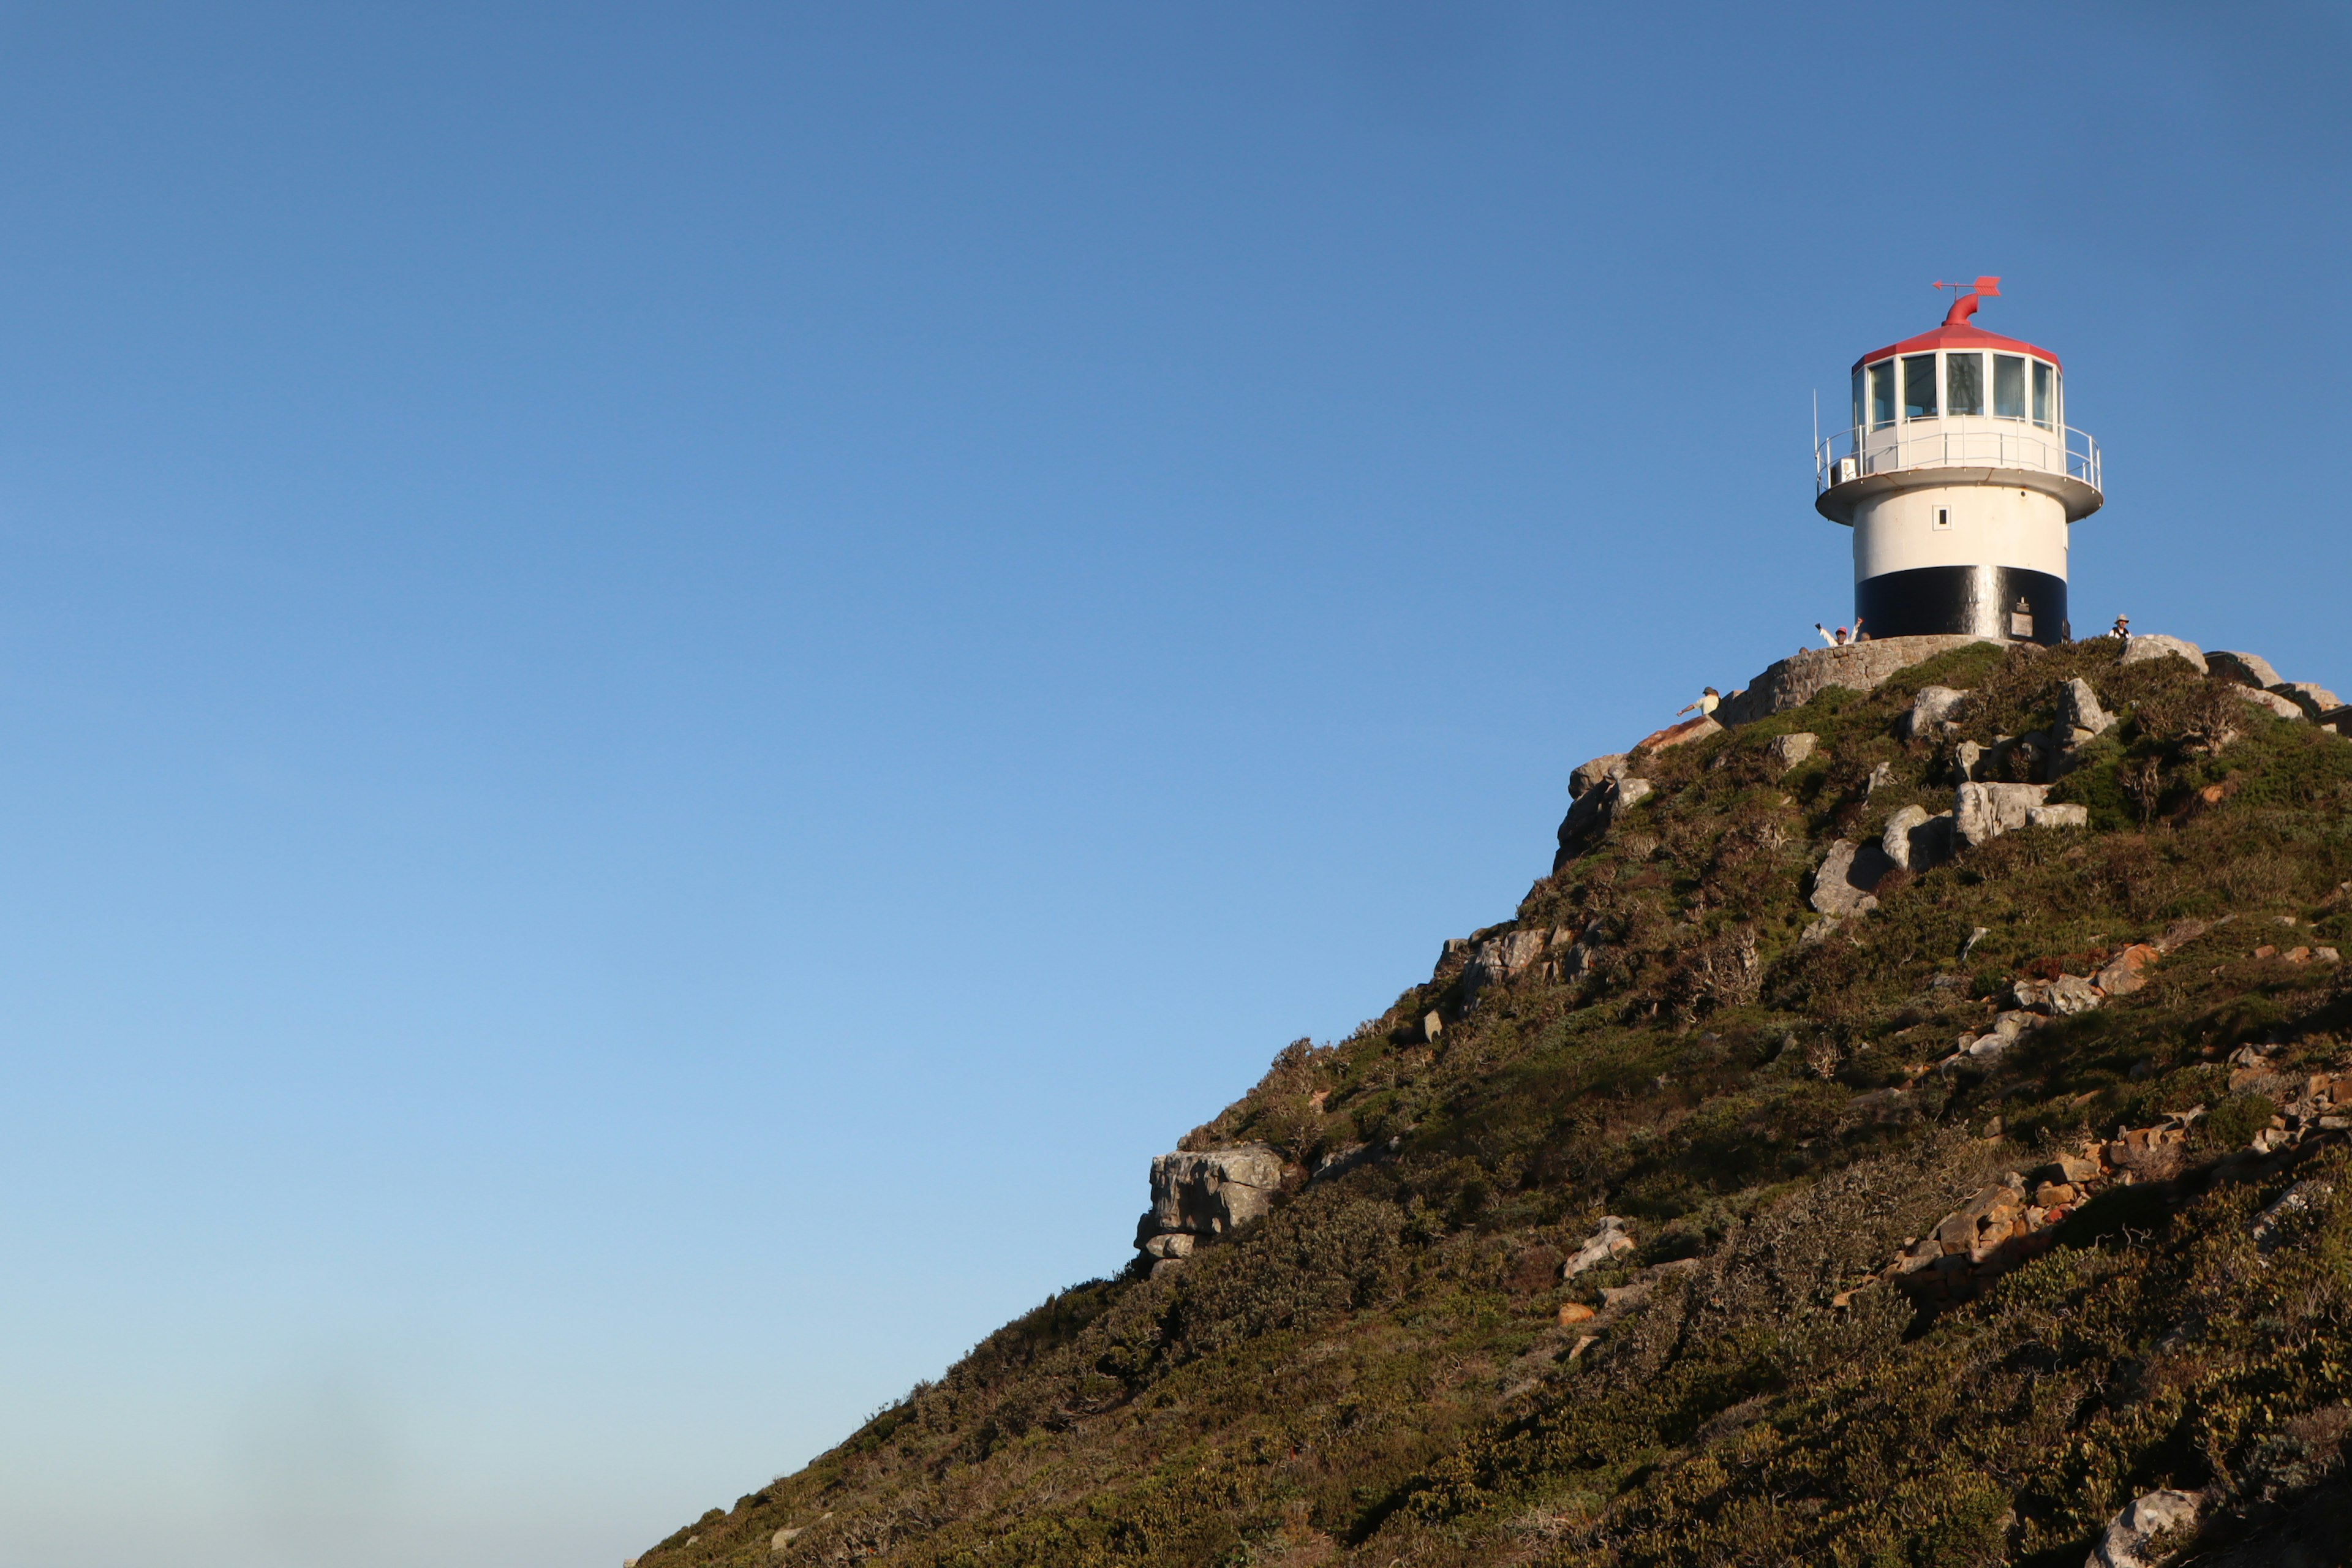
1959	478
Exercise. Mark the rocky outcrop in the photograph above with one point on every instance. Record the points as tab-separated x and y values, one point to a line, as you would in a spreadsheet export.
1595	813
2284	707
1587	775
2143	1534
2317	701
1205	1195
1858	667
1787	751
2245	668
1689	730
2141	647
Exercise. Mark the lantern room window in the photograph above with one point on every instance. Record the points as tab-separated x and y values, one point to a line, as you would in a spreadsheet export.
2008	387
1964	383
1919	386
2046	402
1881	394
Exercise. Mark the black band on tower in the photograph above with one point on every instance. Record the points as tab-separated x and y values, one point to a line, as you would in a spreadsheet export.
1986	600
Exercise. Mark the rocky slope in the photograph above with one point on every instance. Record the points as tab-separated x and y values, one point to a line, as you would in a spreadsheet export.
1908	1126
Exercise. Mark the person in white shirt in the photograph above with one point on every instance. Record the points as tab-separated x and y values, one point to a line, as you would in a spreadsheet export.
1705	706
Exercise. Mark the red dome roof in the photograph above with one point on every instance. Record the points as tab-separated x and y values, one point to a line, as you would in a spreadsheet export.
1962	336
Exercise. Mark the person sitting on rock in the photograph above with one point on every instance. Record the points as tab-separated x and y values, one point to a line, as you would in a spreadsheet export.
1707	697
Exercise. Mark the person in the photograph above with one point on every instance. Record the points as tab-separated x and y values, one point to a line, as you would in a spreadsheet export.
1838	640
2122	628
1859	634
1707	697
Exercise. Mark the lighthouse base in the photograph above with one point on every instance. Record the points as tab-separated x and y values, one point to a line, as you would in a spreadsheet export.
1980	601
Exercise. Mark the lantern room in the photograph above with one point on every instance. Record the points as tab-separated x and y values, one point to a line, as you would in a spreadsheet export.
1960	480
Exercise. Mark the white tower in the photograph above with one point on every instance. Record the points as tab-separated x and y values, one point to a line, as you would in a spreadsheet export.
1960	480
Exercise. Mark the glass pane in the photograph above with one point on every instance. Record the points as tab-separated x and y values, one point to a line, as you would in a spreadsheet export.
1964	383
1919	386
2057	399
2042	409
1857	397
1882	393
2008	387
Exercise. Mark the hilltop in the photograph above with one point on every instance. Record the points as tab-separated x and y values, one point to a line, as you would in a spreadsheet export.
1908	1127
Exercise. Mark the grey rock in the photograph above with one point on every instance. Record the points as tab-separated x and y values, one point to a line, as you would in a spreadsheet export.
1929	709
1587	775
1848	873
1858	667
2060	998
1173	1243
2317	701
1593	813
2131	1537
2245	668
1821	931
2058	817
1503	957
1610	1241
1210	1192
1983	812
2141	647
1785	751
2080	717
1965	758
1895	842
2279	705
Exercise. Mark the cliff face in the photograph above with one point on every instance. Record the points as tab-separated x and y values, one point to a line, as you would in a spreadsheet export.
1922	1143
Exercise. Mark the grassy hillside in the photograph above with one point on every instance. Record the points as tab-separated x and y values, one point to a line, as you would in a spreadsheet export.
1383	1372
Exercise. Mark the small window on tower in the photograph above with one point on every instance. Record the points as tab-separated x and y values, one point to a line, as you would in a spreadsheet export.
2008	387
1964	383
1882	393
1919	386
2044	405
1943	517
1857	397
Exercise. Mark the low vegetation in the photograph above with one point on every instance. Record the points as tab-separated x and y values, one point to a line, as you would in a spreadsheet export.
1385	1370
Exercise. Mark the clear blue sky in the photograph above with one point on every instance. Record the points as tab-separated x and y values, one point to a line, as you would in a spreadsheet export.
674	679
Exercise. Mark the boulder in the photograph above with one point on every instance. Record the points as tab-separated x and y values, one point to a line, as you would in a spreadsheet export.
2131	1539
1916	841
2281	706
1983	812
2245	668
1857	667
1610	1241
2080	717
2141	647
1697	729
2126	971
1208	1193
2057	817
2317	701
1848	873
1929	709
1587	775
1786	752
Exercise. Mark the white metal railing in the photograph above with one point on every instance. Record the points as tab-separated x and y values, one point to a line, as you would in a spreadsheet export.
1955	442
